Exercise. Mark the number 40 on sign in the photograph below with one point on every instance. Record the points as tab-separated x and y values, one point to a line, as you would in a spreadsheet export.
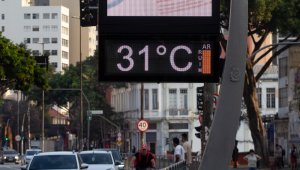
143	125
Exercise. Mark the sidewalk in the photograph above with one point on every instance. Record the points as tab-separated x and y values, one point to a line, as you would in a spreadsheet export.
246	168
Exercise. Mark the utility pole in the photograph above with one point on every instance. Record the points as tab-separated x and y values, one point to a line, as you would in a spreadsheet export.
28	128
18	129
142	111
22	134
207	113
81	103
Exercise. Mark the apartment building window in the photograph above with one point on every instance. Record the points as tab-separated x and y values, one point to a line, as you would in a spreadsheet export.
65	30
54	40
35	40
46	16
64	65
35	52
27	28
47	52
54	64
65	55
54	28
26	40
3	29
90	40
54	52
35	16
54	16
46	28
270	97
35	28
26	16
183	99
283	67
46	40
65	18
258	93
65	43
154	99
3	16
90	50
146	95
283	97
172	99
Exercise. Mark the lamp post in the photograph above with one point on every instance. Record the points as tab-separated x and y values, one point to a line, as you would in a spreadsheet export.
43	109
81	103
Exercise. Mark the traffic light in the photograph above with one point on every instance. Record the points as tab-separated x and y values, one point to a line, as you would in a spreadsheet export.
200	99
89	116
22	137
88	17
6	138
198	129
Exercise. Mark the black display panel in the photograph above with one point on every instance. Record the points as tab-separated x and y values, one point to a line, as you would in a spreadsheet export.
159	58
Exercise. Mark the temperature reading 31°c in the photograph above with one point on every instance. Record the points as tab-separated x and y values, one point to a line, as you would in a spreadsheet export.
152	58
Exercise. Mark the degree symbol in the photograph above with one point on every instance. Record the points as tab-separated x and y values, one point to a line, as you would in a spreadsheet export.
164	50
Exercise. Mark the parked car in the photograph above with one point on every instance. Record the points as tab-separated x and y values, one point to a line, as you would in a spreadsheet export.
116	156
29	155
99	160
56	161
9	155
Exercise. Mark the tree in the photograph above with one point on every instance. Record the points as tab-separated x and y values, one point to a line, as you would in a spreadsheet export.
265	17
18	70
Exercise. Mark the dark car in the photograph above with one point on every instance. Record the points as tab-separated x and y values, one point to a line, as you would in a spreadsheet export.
116	156
9	155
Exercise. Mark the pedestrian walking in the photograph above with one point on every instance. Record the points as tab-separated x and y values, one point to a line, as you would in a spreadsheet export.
252	159
179	152
188	153
293	158
296	151
283	154
278	156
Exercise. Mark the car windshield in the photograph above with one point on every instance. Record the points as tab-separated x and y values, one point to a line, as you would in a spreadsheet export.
53	162
116	155
30	153
96	158
10	152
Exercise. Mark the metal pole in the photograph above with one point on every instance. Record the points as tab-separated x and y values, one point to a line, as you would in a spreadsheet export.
28	116
226	120
81	103
88	131
6	132
22	134
18	129
142	111
43	116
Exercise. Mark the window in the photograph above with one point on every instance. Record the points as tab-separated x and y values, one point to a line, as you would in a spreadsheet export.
54	28
65	18
46	28
172	99
3	29
258	93
54	16
26	40
283	67
154	99
65	30
90	50
35	52
283	100
35	40
54	40
65	43
35	28
64	65
35	16
183	99
46	40
152	126
26	16
27	28
90	40
54	52
178	125
54	64
65	55
270	97
146	100
47	52
46	16
3	17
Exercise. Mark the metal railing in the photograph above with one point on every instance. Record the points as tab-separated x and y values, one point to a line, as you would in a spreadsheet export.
181	165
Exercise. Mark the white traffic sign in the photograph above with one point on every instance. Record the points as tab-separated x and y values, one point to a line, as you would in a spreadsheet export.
119	134
18	138
119	138
96	112
143	125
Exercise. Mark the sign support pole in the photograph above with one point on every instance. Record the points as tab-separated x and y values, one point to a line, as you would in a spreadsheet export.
142	111
225	123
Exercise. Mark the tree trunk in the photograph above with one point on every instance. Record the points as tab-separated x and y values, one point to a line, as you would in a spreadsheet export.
256	126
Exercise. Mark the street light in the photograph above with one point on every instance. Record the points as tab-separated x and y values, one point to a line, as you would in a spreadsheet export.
43	109
81	103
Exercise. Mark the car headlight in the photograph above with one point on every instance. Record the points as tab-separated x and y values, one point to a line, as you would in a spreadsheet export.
16	157
4	157
121	166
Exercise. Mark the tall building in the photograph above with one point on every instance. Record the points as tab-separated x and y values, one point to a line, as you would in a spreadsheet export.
32	25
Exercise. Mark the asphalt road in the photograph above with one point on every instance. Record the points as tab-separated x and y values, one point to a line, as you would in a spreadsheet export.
10	166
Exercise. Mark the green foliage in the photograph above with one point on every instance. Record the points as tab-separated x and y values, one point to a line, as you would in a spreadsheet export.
18	70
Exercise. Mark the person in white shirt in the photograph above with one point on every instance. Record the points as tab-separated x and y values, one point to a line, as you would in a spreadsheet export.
179	152
252	160
188	153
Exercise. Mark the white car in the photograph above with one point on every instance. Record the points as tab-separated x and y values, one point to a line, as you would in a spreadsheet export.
99	160
56	161
30	154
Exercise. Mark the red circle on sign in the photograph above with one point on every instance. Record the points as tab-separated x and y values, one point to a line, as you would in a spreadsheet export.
142	130
18	138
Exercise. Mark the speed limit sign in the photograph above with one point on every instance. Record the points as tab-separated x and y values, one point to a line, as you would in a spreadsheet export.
142	125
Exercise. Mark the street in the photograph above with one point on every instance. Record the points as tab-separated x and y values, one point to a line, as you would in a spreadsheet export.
10	166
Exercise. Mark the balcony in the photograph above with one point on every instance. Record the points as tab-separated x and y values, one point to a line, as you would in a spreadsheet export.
178	112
